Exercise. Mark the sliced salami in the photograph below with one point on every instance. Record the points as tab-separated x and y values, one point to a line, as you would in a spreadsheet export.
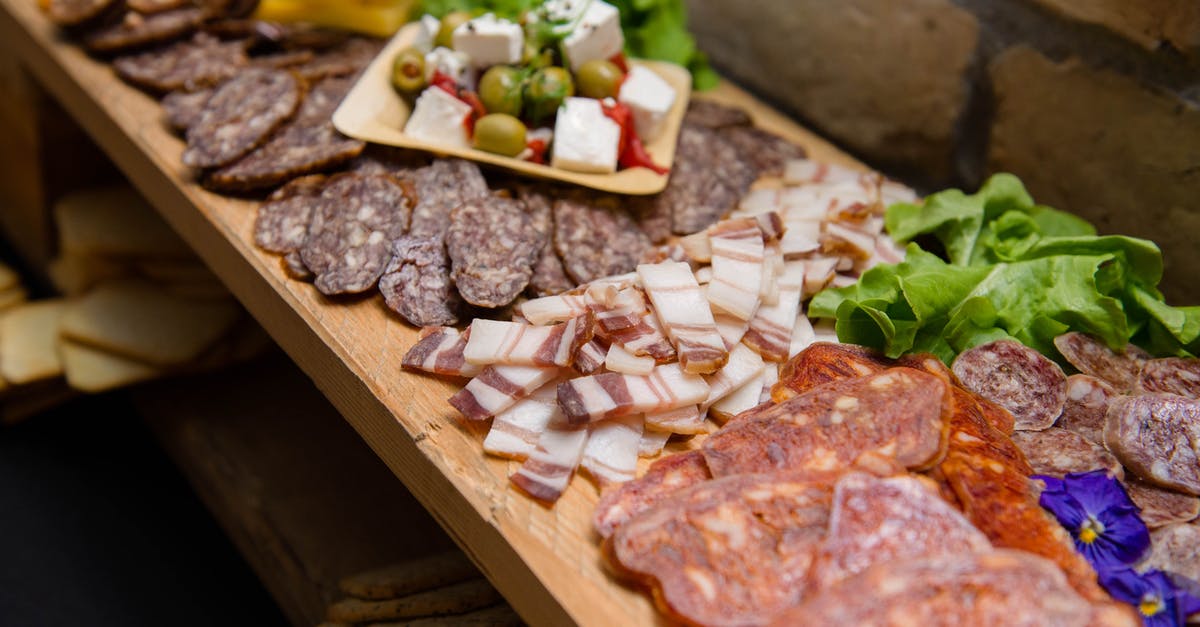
1056	452
442	186
136	30
200	62
283	60
764	150
1092	357
876	520
1175	549
416	283
983	588
549	276
707	180
1173	375
823	362
665	477
1160	507
1017	378
309	143
155	6
345	59
1086	406
75	12
731	551
595	237
492	246
352	229
183	108
1157	436
400	163
900	413
293	266
282	222
241	114
715	116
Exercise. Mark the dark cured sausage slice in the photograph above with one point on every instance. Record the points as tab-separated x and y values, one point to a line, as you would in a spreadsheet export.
823	362
1017	378
1093	357
75	12
1161	507
664	477
1086	406
183	108
308	143
200	62
1173	375
353	225
596	237
1157	436
241	114
138	31
992	588
416	283
1056	452
900	413
442	186
875	520
731	551
492	246
282	222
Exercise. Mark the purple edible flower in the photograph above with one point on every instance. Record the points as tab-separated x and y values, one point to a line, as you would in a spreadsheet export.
1103	521
1157	596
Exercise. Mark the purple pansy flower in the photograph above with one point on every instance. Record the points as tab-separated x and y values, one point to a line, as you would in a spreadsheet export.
1161	599
1103	521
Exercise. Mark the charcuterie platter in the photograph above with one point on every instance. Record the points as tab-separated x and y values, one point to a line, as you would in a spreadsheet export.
701	328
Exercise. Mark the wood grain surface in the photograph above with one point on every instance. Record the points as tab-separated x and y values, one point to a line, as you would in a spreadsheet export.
545	561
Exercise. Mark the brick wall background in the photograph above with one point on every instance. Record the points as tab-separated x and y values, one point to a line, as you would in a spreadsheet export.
1095	104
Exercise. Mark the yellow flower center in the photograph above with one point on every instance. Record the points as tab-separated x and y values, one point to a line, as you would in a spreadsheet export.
1150	605
1090	530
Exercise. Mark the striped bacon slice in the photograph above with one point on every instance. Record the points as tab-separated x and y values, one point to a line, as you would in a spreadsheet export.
743	366
552	309
687	420
499	387
516	344
652	442
737	263
624	319
590	357
610	394
440	351
770	331
515	431
620	360
547	472
685	314
611	453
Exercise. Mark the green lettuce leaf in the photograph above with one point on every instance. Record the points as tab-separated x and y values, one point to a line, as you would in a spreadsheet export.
1015	270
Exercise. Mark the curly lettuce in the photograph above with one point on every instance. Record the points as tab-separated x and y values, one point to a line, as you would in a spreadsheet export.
1012	269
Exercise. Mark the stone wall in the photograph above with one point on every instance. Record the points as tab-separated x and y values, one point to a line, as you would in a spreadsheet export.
1093	103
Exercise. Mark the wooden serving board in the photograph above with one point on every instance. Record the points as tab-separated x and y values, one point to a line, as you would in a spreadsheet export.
545	561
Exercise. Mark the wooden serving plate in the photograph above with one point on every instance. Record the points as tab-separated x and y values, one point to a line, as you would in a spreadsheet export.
374	112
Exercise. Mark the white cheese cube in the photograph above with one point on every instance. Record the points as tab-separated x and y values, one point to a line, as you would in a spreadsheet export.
456	65
438	119
427	30
489	40
597	35
585	140
649	98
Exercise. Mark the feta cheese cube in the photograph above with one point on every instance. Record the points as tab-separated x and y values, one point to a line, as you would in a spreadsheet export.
427	31
597	35
649	98
438	119
585	140
456	65
488	40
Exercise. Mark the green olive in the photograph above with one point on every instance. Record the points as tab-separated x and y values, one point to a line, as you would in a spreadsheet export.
451	21
500	90
546	91
408	71
599	78
534	58
500	133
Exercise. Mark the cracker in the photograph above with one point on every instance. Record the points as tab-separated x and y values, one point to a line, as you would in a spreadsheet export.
141	321
496	616
114	221
29	342
455	599
92	370
418	575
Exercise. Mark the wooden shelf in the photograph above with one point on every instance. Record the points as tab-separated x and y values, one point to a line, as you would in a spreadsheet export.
545	561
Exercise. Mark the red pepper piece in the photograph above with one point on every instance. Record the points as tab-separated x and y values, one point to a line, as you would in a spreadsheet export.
619	61
537	149
632	153
445	83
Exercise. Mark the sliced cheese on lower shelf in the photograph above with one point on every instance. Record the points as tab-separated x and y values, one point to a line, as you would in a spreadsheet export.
29	342
91	370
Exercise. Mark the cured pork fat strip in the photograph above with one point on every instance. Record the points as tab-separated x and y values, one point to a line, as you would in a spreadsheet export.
609	394
440	351
516	344
498	387
685	314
